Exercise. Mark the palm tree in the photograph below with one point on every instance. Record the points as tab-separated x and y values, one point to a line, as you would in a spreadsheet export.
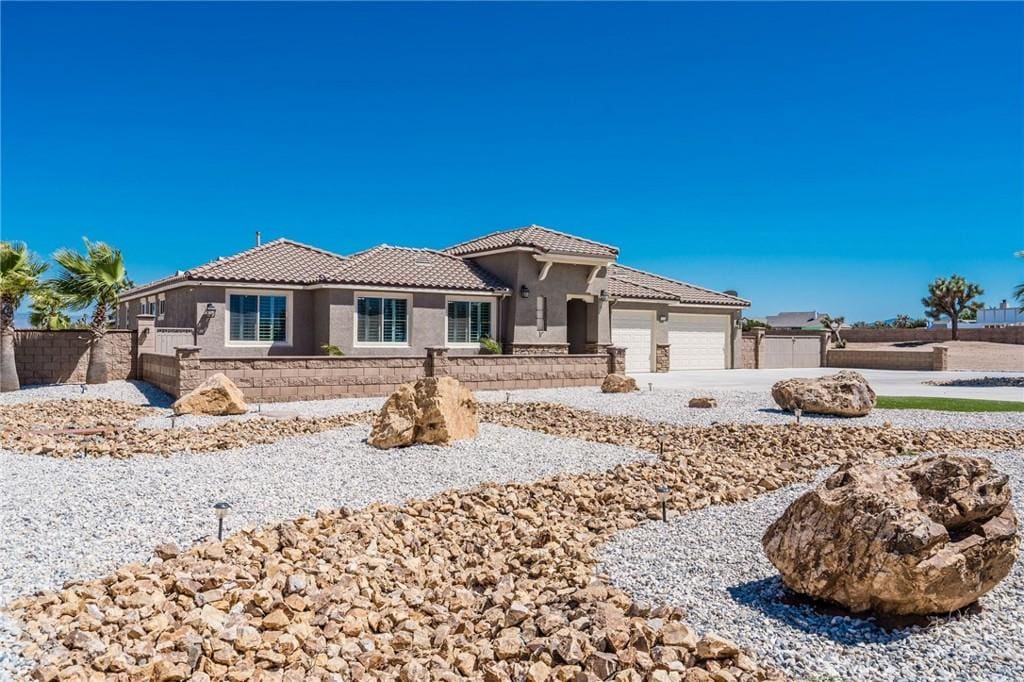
93	278
1018	291
47	309
19	275
952	297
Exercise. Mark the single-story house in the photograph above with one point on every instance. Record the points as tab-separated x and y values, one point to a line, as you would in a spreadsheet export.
532	289
810	319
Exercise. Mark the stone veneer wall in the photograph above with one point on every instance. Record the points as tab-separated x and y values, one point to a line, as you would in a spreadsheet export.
61	356
269	379
160	370
990	334
489	372
537	349
935	359
748	353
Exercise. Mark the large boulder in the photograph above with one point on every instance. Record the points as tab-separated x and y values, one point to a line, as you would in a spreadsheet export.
217	396
618	383
928	536
845	394
437	410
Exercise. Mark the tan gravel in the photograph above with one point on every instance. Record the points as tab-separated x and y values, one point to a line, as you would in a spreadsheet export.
495	583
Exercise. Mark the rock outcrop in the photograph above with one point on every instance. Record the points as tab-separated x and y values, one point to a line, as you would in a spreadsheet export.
929	536
216	396
618	383
845	394
703	402
436	410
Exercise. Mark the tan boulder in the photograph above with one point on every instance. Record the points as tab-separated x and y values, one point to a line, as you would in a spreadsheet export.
618	383
436	410
928	536
703	402
845	394
218	395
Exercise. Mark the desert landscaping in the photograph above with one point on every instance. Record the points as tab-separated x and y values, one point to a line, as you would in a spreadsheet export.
549	534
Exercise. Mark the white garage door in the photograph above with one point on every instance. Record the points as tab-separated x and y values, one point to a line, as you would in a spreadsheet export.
697	341
631	329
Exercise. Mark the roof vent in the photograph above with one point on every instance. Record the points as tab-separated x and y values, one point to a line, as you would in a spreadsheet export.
423	260
730	292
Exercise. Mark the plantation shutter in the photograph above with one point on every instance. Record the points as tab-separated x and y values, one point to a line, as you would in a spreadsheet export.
244	317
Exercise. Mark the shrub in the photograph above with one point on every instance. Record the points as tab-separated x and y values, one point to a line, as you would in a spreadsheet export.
331	349
489	346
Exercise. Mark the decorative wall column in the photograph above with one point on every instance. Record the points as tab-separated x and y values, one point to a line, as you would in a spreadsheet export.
616	360
940	358
146	334
437	361
189	374
662	359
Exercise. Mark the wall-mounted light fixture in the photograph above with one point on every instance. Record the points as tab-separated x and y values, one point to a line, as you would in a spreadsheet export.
603	296
662	317
524	291
211	310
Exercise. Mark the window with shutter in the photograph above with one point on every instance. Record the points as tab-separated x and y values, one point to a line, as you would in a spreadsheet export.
382	320
468	321
257	318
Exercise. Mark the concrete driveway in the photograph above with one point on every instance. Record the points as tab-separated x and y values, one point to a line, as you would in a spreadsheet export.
885	382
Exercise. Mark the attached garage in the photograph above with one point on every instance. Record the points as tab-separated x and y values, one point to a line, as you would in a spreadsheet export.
633	330
698	341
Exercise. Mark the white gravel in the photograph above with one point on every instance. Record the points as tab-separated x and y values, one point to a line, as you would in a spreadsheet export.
710	562
135	392
747	407
80	518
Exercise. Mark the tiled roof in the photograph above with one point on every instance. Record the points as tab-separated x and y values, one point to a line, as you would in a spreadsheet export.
404	267
281	261
621	276
620	288
537	237
794	319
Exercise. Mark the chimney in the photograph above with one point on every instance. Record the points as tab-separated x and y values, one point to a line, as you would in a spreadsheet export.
257	237
1004	305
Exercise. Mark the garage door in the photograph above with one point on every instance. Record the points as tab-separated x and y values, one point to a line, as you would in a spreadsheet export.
631	329
697	341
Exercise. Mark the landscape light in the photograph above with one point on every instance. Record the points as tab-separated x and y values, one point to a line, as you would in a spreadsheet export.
508	397
83	388
174	418
798	412
221	510
663	491
661	445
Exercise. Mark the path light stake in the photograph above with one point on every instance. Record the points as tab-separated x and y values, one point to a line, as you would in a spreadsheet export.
662	491
661	446
508	397
798	412
650	386
221	509
83	389
174	418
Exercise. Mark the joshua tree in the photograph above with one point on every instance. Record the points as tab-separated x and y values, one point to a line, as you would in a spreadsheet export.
952	297
93	278
47	309
19	275
903	321
833	324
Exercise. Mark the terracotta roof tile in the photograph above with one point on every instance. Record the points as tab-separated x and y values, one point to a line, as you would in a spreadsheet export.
406	267
537	237
684	292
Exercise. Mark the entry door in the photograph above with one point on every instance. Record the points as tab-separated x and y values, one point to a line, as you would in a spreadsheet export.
632	329
697	341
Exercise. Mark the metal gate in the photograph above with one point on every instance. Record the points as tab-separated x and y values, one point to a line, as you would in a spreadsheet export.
779	352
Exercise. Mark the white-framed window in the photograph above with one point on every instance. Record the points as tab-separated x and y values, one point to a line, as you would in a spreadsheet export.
542	314
468	320
382	320
258	318
160	307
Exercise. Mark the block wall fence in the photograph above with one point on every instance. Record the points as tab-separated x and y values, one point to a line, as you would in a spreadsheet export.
61	356
992	335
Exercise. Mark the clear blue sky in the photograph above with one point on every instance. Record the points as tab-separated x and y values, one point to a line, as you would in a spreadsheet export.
828	156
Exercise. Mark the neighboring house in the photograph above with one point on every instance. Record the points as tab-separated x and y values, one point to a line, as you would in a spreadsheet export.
1003	316
810	319
532	289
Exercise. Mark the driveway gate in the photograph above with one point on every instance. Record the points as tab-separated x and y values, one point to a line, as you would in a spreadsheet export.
778	352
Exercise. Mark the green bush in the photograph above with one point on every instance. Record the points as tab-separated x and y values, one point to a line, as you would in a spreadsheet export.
331	349
489	346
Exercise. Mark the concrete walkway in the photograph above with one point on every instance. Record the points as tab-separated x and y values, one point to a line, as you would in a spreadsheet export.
885	382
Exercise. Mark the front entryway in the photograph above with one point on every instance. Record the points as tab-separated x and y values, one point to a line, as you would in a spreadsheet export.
576	325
